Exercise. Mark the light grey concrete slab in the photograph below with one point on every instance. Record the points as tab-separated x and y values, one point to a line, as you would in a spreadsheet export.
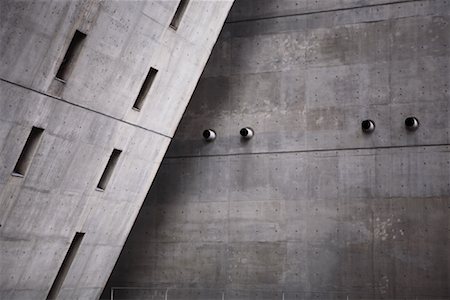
84	119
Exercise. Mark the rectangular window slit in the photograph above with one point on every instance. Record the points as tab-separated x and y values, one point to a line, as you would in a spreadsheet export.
65	266
71	56
28	152
144	89
179	14
107	173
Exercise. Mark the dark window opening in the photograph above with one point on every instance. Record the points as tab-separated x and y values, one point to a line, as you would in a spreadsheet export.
71	56
65	266
179	14
144	89
28	151
107	173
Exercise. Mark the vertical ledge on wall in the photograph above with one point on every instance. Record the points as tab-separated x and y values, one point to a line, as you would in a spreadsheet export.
65	266
71	56
182	5
107	173
28	152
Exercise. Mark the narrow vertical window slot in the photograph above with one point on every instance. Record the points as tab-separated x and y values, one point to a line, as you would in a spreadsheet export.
107	173
71	56
65	266
144	89
179	14
28	152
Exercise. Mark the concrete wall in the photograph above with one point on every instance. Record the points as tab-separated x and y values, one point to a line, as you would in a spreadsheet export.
310	207
85	118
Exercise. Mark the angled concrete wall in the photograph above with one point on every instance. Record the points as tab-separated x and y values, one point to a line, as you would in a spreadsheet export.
311	207
84	117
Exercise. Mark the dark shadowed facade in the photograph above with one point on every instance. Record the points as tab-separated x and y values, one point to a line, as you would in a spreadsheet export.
312	207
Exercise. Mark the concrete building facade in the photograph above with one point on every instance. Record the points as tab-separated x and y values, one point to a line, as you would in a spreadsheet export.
91	93
312	207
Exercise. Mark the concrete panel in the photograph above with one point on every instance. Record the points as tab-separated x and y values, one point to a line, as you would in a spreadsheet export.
124	39
38	210
323	79
343	234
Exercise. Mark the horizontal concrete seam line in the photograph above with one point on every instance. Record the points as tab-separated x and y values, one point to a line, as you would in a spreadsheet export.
225	289
321	11
83	107
305	151
232	289
162	288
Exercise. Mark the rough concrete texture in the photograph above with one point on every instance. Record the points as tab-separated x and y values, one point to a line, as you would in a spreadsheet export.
310	208
84	119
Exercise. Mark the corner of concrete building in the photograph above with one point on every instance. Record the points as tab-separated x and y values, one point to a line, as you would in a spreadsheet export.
85	121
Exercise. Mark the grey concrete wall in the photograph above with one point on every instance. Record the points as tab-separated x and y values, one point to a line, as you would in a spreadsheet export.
310	207
84	119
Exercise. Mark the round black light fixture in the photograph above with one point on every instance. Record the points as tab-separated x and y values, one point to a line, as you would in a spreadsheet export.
247	133
209	135
412	123
368	126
